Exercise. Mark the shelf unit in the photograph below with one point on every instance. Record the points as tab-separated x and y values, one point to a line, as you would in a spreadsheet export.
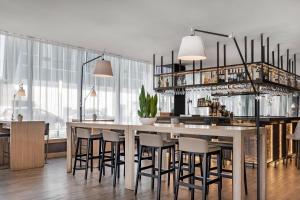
262	74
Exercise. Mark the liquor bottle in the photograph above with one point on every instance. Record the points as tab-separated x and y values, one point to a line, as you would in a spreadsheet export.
257	73
159	82
235	75
238	77
229	75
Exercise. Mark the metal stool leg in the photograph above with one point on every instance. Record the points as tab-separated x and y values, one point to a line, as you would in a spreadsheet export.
153	168
159	172
87	159
204	186
76	153
92	154
138	169
116	147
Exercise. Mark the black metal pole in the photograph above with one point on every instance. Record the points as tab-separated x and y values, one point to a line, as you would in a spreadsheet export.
173	68
273	58
224	54
245	43
268	50
252	51
212	33
154	71
81	85
218	59
278	55
295	64
287	59
193	72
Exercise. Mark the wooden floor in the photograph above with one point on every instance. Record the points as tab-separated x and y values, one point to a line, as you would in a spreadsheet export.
52	182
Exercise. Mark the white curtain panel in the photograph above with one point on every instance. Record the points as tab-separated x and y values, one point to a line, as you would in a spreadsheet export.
51	77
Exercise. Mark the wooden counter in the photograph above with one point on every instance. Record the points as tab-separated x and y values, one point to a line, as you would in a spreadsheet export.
26	144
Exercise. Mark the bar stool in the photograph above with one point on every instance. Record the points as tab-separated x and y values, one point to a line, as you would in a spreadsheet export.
116	140
226	146
194	147
5	149
46	133
296	138
84	134
155	143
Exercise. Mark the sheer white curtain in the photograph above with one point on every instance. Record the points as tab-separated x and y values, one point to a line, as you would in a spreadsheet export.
132	76
51	77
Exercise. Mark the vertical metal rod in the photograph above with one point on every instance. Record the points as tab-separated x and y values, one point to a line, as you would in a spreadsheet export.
268	50
281	60
273	58
201	71
287	59
290	70
245	43
295	64
161	62
278	55
154	70
252	51
193	72
218	51
224	54
179	68
172	68
218	59
261	41
263	54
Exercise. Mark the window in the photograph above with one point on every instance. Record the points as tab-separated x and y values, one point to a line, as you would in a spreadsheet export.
51	77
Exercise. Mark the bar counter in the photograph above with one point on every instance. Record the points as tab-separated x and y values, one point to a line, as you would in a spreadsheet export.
235	132
277	127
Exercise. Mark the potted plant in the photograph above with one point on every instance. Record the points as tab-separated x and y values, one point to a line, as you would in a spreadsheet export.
148	107
20	118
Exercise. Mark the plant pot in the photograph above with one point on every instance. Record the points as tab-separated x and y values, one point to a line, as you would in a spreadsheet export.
148	121
94	117
20	118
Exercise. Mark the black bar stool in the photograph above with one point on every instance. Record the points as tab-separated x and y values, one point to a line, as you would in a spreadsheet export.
155	143
200	147
85	135
116	140
5	148
46	133
226	146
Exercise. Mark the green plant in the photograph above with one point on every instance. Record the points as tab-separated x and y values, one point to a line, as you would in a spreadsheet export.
148	104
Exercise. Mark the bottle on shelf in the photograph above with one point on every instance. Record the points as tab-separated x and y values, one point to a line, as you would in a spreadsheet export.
221	76
235	75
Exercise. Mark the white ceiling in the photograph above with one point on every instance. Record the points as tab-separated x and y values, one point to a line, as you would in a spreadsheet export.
139	28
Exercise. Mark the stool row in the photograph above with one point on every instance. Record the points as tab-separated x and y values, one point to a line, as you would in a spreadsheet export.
191	148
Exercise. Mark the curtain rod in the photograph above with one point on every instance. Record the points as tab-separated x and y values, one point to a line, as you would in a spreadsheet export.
62	44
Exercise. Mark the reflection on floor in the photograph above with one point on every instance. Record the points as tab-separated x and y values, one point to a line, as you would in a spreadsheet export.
52	182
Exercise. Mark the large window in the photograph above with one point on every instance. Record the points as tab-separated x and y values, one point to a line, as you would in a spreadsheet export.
51	77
